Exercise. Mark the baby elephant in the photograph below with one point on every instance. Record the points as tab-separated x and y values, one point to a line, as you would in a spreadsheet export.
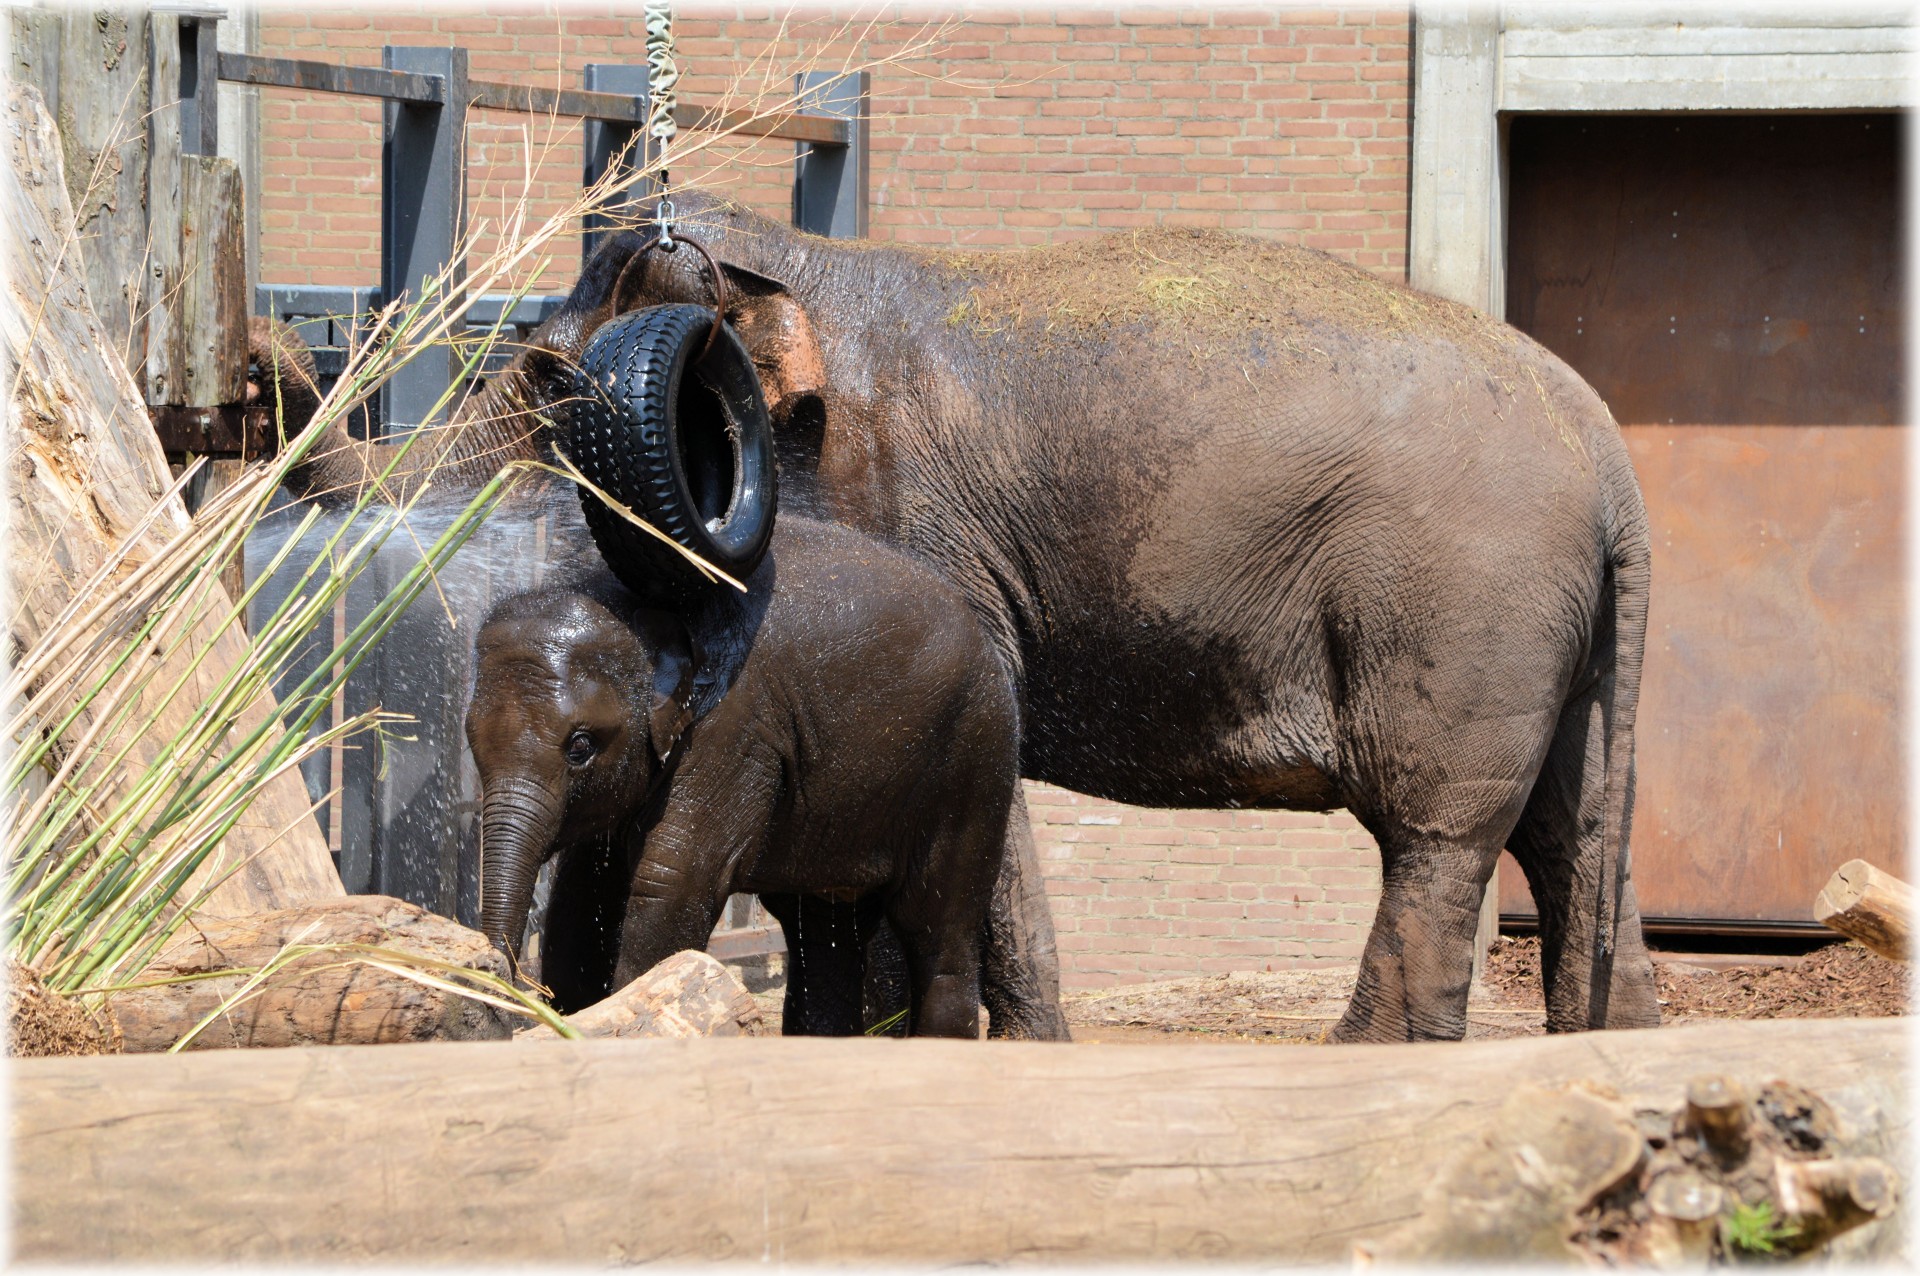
843	731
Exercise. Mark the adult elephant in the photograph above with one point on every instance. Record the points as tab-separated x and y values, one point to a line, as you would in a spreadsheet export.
1252	528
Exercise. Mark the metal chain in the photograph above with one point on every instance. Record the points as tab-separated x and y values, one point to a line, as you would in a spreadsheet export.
662	75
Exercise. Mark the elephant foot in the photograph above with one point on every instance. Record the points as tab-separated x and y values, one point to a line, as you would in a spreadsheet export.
1631	999
1391	1003
1035	1020
1372	1026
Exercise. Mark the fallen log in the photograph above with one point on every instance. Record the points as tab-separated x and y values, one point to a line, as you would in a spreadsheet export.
805	1150
324	998
1870	905
687	995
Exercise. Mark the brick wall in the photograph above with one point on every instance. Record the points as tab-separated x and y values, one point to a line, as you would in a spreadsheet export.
1014	128
1140	894
1002	129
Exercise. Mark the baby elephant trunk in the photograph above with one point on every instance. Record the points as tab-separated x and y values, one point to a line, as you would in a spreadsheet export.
518	823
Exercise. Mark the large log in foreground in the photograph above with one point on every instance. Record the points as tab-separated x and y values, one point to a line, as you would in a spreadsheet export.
812	1150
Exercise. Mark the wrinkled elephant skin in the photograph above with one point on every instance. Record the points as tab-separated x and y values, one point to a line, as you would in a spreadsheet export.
840	740
1253	528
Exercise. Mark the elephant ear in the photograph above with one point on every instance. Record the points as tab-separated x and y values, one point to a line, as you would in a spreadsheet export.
772	323
774	327
670	706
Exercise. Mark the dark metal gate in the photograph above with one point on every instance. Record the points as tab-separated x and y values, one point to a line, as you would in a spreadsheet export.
1732	286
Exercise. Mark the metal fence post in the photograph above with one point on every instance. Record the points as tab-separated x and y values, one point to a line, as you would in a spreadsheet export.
607	145
423	189
830	182
199	84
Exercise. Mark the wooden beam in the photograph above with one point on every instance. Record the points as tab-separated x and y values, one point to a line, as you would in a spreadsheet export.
326	77
213	308
90	65
165	363
1872	906
797	1150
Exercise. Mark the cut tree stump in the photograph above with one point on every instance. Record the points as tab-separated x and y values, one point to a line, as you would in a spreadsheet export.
85	468
1870	905
800	1150
687	995
317	1000
1572	1175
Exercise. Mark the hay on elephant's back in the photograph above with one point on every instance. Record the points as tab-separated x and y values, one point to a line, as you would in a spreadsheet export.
1210	285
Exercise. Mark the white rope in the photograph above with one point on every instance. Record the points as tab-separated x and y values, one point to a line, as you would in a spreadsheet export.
662	74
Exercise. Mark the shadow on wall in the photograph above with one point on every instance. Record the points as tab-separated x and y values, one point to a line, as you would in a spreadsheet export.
1142	894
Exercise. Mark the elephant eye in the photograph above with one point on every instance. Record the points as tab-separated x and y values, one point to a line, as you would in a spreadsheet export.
580	748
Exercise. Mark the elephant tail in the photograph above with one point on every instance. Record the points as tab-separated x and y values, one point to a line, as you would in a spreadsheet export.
1630	575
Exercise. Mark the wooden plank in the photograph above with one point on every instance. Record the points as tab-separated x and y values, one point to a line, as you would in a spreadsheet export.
327	77
213	281
103	99
166	351
808	1150
36	36
790	126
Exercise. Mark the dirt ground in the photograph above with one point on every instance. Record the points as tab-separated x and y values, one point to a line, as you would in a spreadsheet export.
1298	1007
40	1023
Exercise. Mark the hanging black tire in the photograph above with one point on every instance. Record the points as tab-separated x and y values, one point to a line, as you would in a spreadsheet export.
682	441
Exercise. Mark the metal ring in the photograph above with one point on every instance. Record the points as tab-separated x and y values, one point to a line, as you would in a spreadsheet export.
720	296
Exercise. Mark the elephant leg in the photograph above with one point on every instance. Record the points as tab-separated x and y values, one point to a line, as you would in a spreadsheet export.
885	995
1418	962
825	964
1020	973
939	908
579	936
1440	823
1593	958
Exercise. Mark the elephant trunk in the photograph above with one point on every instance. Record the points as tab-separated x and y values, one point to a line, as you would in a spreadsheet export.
518	825
288	382
506	419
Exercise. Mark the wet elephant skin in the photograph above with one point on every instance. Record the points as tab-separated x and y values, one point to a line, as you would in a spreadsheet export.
1250	528
840	740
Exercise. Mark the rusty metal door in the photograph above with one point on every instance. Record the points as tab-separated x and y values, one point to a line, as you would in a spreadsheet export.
1732	286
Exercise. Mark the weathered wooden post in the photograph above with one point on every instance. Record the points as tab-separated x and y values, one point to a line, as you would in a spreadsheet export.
829	181
196	292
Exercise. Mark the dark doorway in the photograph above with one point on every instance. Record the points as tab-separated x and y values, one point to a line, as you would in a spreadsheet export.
1733	287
